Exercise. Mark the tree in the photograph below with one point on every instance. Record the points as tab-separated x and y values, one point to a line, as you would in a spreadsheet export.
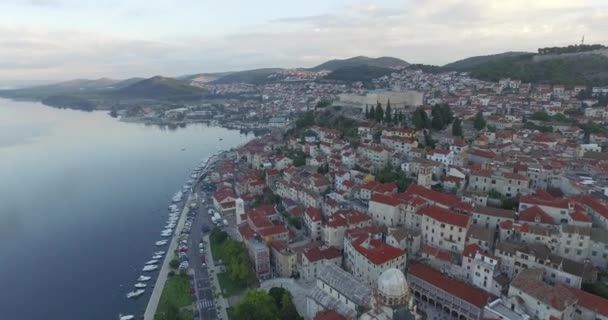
366	111
277	294
389	113
421	120
288	309
446	114
379	112
257	304
479	122
400	117
372	112
305	120
457	128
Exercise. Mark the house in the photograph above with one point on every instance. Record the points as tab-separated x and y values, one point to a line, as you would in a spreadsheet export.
457	298
366	256
444	228
384	210
541	300
315	257
284	259
224	201
313	220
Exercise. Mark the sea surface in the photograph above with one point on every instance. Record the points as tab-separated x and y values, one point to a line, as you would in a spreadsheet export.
83	198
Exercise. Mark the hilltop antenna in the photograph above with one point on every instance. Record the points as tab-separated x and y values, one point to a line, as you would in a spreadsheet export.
583	40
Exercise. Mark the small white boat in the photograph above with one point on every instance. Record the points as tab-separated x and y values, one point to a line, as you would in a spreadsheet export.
149	268
140	285
153	261
173	207
126	317
161	243
143	278
177	197
135	294
158	256
159	253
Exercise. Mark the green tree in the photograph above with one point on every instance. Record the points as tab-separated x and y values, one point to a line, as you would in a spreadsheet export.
256	304
372	112
306	119
420	119
288	309
479	122
437	122
277	294
389	112
541	115
366	111
446	114
379	112
400	117
457	128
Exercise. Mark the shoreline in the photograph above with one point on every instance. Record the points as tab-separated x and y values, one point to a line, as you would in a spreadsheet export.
163	273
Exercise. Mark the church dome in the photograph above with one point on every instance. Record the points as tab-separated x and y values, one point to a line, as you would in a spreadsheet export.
392	286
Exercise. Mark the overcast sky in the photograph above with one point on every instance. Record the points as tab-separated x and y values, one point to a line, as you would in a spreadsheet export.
64	39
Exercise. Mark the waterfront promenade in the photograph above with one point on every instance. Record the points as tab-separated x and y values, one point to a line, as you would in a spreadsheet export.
164	271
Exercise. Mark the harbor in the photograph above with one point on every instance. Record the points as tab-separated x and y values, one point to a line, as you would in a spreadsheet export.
178	229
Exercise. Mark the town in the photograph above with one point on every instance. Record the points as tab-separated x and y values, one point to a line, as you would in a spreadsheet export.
418	195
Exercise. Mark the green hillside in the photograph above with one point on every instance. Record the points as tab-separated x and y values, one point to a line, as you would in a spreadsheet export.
384	62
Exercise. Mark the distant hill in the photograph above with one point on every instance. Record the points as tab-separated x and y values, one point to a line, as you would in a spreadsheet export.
570	68
254	76
364	73
385	62
161	88
77	86
468	63
203	77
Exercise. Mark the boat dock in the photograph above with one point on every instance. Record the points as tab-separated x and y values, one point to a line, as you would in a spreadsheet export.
164	270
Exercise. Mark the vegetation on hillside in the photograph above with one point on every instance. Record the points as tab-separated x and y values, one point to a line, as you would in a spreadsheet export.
239	271
69	102
363	73
385	62
571	49
259	304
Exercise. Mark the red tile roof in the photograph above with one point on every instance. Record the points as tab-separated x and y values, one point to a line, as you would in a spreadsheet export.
591	301
384	199
321	253
378	252
438	197
268	232
535	213
246	232
514	176
314	214
554	203
329	315
446	216
471	249
437	253
454	287
594	205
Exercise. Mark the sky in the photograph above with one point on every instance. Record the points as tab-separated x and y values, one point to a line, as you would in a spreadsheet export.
53	40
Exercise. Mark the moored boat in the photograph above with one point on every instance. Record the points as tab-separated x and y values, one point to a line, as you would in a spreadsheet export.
149	268
135	294
140	285
143	278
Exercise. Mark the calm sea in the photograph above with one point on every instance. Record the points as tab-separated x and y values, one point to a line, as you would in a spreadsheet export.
83	198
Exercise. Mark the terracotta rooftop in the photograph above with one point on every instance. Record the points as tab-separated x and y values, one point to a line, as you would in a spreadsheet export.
452	286
446	216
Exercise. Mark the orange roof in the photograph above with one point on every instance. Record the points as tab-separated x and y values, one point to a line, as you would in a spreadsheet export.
268	232
329	315
438	197
454	287
314	214
535	213
446	216
321	253
384	199
378	252
591	301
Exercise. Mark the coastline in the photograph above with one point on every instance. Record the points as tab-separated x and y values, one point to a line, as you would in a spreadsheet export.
163	274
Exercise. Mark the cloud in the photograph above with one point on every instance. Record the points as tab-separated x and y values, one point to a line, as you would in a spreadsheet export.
419	31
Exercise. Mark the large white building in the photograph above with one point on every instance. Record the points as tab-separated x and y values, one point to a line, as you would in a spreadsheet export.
444	229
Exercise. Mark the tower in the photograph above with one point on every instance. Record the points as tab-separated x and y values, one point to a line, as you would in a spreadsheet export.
240	210
425	176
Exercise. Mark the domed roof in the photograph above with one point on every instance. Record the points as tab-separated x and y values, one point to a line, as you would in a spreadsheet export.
392	283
